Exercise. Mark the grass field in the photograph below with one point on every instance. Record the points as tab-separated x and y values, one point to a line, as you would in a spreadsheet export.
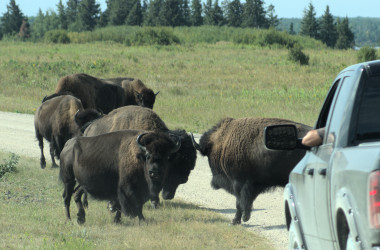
32	217
198	84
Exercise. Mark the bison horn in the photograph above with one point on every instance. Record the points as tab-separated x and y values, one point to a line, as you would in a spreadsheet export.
143	148
157	93
195	144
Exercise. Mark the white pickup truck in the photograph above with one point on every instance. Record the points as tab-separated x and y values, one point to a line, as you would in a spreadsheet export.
332	200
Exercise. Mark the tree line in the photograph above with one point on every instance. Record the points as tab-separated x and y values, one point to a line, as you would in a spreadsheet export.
86	15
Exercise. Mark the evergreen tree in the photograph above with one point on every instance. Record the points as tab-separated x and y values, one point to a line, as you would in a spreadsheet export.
291	29
196	13
72	11
208	13
186	13
43	23
144	9
346	38
254	14
12	19
234	13
170	13
273	21
309	24
135	17
62	15
119	11
153	13
218	18
88	14
328	33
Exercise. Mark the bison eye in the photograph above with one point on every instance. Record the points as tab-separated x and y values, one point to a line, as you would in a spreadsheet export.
147	156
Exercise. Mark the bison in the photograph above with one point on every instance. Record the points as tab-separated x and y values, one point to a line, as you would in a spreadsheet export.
54	121
136	93
135	117
93	92
242	165
126	167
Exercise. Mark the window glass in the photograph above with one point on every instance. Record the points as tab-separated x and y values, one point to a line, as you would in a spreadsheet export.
368	127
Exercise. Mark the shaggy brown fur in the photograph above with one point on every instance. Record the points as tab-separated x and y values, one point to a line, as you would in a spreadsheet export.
136	93
54	121
242	165
118	167
94	92
135	117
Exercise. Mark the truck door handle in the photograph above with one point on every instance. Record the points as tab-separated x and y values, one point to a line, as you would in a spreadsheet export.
310	171
322	171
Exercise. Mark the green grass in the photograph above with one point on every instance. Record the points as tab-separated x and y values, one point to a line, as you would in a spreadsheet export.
32	217
198	84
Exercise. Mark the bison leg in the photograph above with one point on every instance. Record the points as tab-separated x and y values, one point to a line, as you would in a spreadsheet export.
41	145
248	195
130	204
52	152
81	215
154	200
115	206
237	186
67	193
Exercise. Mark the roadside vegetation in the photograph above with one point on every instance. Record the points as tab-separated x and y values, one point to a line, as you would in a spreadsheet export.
32	216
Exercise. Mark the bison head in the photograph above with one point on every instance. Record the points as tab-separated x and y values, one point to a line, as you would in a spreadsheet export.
157	148
146	98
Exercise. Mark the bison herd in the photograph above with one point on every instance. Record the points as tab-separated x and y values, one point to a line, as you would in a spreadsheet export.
113	146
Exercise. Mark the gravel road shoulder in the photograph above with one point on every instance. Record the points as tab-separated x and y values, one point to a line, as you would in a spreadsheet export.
267	219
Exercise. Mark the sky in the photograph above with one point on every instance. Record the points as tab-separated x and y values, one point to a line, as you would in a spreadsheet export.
283	8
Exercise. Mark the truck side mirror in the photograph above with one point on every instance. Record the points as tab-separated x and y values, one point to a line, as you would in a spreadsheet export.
281	137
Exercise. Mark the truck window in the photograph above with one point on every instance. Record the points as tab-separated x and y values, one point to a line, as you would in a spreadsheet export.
368	126
323	115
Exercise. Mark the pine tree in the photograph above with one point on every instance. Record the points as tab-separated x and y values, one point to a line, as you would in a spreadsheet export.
328	33
309	24
72	11
62	15
119	11
152	16
346	38
170	13
218	14
208	13
185	13
88	14
254	14
12	19
135	17
291	29
273	21
196	13
234	13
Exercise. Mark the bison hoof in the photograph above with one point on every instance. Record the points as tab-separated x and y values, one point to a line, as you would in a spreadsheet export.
155	204
81	220
54	165
246	216
236	221
43	164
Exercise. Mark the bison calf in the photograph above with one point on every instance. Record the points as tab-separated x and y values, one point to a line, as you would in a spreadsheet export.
242	165
125	167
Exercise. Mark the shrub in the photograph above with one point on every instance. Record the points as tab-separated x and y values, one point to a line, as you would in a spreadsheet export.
57	36
246	38
271	37
296	55
9	165
152	36
366	53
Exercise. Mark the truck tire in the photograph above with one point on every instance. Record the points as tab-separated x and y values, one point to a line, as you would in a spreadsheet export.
292	240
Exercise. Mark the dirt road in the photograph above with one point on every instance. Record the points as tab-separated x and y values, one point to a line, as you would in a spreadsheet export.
17	135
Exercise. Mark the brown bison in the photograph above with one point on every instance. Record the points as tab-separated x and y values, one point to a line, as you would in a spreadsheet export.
54	121
126	167
135	117
136	93
93	92
240	162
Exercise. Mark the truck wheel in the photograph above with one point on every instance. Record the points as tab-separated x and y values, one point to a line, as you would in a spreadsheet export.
292	240
350	243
